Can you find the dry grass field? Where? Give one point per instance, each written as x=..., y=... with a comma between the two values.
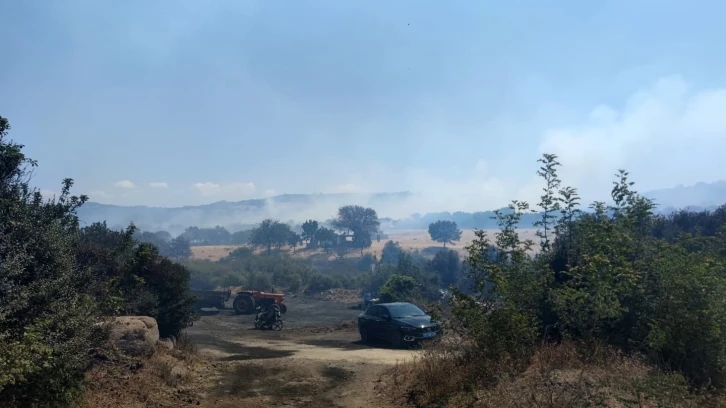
x=412, y=240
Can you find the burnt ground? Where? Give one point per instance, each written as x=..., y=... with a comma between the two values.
x=316, y=360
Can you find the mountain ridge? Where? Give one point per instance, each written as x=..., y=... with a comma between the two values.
x=238, y=215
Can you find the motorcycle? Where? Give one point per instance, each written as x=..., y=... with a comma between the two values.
x=268, y=318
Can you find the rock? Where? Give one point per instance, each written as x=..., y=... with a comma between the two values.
x=135, y=335
x=165, y=343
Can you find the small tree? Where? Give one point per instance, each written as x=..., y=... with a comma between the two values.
x=444, y=232
x=178, y=249
x=310, y=229
x=391, y=252
x=293, y=240
x=326, y=236
x=447, y=264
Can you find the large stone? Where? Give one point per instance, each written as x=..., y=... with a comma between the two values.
x=166, y=343
x=135, y=335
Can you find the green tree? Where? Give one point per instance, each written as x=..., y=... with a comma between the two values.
x=447, y=264
x=444, y=232
x=399, y=288
x=549, y=202
x=360, y=221
x=326, y=236
x=46, y=314
x=310, y=229
x=281, y=234
x=178, y=248
x=163, y=235
x=153, y=238
x=207, y=236
x=240, y=237
x=136, y=278
x=270, y=233
x=164, y=287
x=391, y=252
x=293, y=239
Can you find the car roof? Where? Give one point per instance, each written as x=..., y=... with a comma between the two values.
x=394, y=304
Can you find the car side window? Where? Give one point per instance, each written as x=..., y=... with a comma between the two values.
x=374, y=311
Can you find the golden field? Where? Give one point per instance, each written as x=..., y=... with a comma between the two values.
x=412, y=240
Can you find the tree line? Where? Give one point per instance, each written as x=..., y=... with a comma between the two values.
x=353, y=221
x=59, y=281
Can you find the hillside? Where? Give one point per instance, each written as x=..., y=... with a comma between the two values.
x=241, y=215
x=234, y=216
x=697, y=197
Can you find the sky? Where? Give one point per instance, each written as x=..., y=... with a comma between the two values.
x=186, y=102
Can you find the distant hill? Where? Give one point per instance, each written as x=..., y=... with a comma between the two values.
x=696, y=197
x=234, y=216
x=294, y=208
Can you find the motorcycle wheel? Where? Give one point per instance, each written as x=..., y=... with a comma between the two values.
x=277, y=326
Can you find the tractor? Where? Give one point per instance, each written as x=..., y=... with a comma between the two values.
x=246, y=302
x=212, y=298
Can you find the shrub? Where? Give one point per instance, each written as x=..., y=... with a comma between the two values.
x=603, y=279
x=320, y=283
x=46, y=317
x=399, y=288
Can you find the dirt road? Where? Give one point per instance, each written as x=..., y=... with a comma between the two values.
x=315, y=361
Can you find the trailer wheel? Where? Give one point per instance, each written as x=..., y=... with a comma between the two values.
x=244, y=304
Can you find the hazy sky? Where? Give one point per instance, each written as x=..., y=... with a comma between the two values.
x=190, y=101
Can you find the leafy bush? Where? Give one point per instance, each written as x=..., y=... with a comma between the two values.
x=57, y=281
x=168, y=282
x=365, y=262
x=613, y=277
x=46, y=316
x=138, y=280
x=447, y=265
x=319, y=283
x=399, y=288
x=391, y=252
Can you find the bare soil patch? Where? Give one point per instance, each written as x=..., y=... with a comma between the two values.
x=317, y=360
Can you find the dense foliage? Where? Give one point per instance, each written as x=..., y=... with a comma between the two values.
x=57, y=281
x=194, y=236
x=616, y=275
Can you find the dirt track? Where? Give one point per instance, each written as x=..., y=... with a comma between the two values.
x=315, y=361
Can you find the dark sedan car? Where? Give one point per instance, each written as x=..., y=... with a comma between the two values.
x=398, y=323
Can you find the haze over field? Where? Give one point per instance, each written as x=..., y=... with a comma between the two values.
x=396, y=209
x=174, y=103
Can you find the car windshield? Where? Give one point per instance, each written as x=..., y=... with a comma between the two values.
x=405, y=310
